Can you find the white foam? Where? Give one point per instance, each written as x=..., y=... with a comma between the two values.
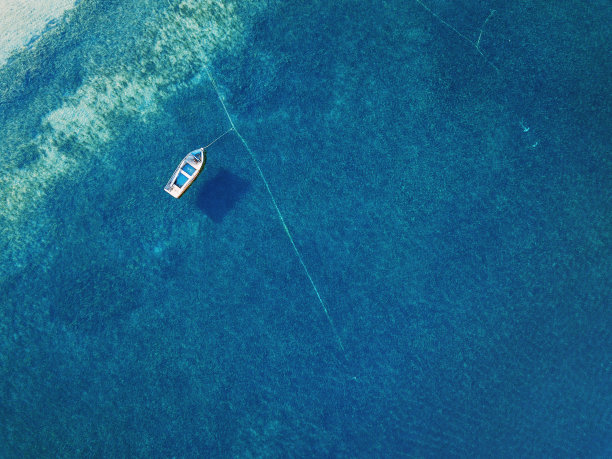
x=21, y=20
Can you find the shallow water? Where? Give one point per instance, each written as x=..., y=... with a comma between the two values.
x=443, y=171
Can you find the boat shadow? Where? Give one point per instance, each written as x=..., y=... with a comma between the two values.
x=220, y=194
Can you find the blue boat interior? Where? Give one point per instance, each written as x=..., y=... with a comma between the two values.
x=188, y=169
x=181, y=179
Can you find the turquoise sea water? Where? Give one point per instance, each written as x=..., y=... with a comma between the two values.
x=443, y=167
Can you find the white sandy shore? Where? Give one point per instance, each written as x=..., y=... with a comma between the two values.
x=21, y=20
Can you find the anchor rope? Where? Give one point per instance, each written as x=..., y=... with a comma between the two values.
x=278, y=211
x=222, y=135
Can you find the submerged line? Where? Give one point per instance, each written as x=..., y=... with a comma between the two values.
x=278, y=211
x=474, y=44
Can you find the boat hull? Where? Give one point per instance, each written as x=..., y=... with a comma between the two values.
x=186, y=173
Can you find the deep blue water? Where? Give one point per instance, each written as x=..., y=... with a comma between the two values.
x=448, y=191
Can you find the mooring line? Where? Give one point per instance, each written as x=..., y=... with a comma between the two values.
x=278, y=211
x=222, y=135
x=459, y=34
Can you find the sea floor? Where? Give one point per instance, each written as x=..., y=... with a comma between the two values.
x=403, y=249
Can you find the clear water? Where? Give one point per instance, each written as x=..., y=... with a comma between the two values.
x=444, y=172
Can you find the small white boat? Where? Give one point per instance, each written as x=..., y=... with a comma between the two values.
x=186, y=172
